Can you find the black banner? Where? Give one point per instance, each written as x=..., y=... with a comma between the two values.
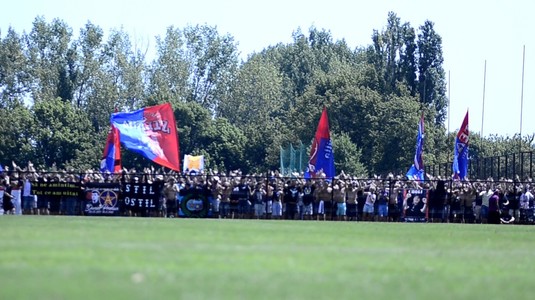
x=415, y=205
x=139, y=197
x=102, y=199
x=56, y=189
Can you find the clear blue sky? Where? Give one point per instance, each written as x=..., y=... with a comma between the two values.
x=472, y=32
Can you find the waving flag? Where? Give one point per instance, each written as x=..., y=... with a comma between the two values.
x=460, y=153
x=416, y=172
x=150, y=131
x=321, y=154
x=111, y=158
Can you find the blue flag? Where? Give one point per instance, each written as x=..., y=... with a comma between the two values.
x=416, y=172
x=1, y=168
x=460, y=153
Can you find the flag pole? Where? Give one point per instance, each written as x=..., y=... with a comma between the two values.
x=483, y=109
x=449, y=100
x=522, y=99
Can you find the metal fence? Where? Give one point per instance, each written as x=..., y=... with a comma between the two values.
x=517, y=165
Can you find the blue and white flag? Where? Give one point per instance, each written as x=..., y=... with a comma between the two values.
x=416, y=172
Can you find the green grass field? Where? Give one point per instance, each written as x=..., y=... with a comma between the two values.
x=148, y=258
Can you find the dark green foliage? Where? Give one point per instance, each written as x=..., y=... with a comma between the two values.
x=57, y=94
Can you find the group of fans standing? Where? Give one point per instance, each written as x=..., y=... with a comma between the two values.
x=238, y=196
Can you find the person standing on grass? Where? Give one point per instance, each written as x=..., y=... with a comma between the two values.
x=170, y=192
x=308, y=199
x=269, y=199
x=16, y=192
x=322, y=195
x=291, y=193
x=243, y=192
x=259, y=198
x=277, y=202
x=494, y=208
x=382, y=206
x=27, y=197
x=224, y=207
x=6, y=199
x=369, y=204
x=467, y=204
x=485, y=196
x=352, y=194
x=216, y=190
x=339, y=197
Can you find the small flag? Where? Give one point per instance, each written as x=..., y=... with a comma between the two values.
x=150, y=131
x=416, y=172
x=193, y=164
x=460, y=152
x=321, y=154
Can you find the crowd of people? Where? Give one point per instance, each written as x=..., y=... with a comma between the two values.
x=235, y=195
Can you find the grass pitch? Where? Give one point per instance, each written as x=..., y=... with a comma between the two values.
x=148, y=258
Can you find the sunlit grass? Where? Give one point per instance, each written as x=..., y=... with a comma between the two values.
x=149, y=258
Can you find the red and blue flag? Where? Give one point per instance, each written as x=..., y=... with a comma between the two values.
x=460, y=152
x=151, y=132
x=111, y=158
x=321, y=154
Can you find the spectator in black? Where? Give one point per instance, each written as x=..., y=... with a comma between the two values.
x=291, y=193
x=494, y=208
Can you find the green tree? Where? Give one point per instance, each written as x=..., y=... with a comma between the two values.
x=212, y=60
x=16, y=137
x=14, y=76
x=61, y=133
x=255, y=107
x=347, y=156
x=432, y=78
x=48, y=52
x=169, y=72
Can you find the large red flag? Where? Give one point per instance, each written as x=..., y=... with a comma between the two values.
x=151, y=131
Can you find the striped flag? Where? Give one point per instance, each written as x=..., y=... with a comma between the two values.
x=151, y=132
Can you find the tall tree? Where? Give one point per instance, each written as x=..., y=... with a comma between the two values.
x=60, y=132
x=255, y=107
x=432, y=78
x=212, y=59
x=169, y=72
x=48, y=52
x=14, y=76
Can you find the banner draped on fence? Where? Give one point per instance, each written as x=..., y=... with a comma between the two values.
x=321, y=154
x=151, y=132
x=460, y=152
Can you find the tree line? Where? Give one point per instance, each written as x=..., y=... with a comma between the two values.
x=58, y=89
